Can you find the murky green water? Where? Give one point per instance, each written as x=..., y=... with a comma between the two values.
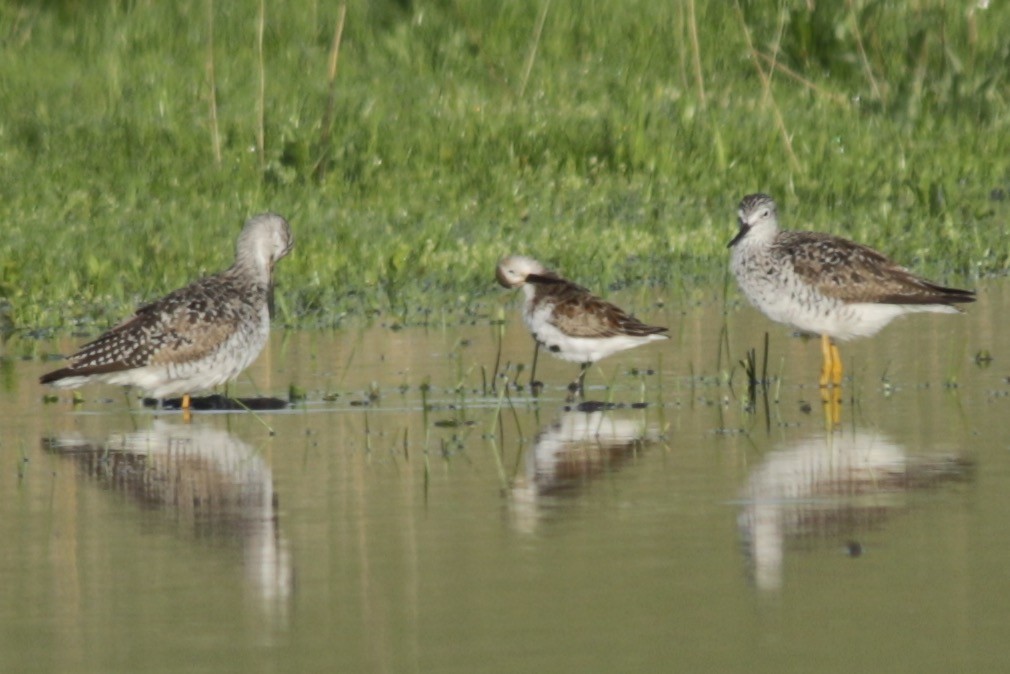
x=500, y=533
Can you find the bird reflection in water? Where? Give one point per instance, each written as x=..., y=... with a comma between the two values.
x=570, y=453
x=831, y=487
x=208, y=479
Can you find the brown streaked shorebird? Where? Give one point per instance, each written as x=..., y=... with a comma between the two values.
x=568, y=320
x=194, y=338
x=825, y=284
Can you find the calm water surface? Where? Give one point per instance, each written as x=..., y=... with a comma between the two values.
x=408, y=518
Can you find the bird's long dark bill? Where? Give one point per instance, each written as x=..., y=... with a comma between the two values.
x=739, y=235
x=545, y=280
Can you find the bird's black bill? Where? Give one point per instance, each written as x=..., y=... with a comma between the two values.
x=739, y=235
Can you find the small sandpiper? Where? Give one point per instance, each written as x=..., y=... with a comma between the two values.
x=194, y=338
x=824, y=284
x=571, y=322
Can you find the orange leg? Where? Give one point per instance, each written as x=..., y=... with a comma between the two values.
x=187, y=414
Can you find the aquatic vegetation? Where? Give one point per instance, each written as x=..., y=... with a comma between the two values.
x=412, y=144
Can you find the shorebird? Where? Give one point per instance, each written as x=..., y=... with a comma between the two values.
x=825, y=284
x=194, y=338
x=571, y=322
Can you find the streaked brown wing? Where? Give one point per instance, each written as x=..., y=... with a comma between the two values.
x=185, y=325
x=851, y=272
x=579, y=313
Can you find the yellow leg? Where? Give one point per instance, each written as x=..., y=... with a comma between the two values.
x=836, y=366
x=831, y=369
x=187, y=414
x=185, y=401
x=831, y=399
x=826, y=347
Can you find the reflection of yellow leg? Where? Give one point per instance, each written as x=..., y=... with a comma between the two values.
x=831, y=398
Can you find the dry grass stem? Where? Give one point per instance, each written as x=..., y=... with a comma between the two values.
x=696, y=49
x=792, y=74
x=331, y=100
x=215, y=133
x=261, y=107
x=531, y=57
x=766, y=83
x=862, y=54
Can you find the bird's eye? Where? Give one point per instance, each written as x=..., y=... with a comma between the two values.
x=764, y=213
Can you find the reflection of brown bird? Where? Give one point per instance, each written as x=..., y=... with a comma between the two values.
x=571, y=322
x=825, y=284
x=194, y=338
x=210, y=483
x=568, y=454
x=829, y=486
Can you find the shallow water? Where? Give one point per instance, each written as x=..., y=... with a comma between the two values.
x=407, y=517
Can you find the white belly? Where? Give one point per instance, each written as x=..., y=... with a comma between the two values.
x=578, y=349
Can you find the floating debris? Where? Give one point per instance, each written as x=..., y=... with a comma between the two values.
x=220, y=403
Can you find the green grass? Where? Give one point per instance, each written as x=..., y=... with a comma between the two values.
x=608, y=147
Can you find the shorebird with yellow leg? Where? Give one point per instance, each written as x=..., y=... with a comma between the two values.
x=194, y=338
x=569, y=321
x=825, y=284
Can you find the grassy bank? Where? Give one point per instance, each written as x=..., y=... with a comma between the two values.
x=611, y=138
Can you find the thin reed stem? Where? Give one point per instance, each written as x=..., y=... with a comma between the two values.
x=766, y=83
x=764, y=365
x=789, y=72
x=775, y=51
x=255, y=416
x=215, y=133
x=261, y=106
x=497, y=358
x=331, y=96
x=699, y=77
x=862, y=53
x=531, y=57
x=496, y=417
